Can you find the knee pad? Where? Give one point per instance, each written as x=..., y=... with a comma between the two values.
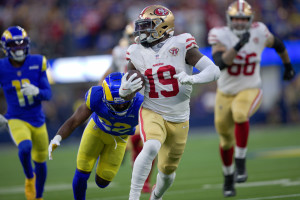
x=151, y=148
x=25, y=147
x=240, y=116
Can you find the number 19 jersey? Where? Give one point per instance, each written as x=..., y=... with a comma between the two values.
x=163, y=93
x=244, y=73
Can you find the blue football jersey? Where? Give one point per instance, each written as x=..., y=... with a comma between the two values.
x=19, y=106
x=106, y=120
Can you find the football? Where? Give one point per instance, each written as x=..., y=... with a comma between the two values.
x=139, y=75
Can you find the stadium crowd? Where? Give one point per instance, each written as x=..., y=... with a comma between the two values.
x=60, y=28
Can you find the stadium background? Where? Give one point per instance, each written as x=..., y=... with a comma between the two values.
x=91, y=28
x=78, y=30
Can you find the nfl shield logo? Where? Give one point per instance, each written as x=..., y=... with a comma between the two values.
x=174, y=51
x=19, y=73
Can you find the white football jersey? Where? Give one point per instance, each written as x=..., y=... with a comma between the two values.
x=244, y=73
x=163, y=93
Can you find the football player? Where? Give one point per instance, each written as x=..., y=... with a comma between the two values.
x=167, y=63
x=237, y=49
x=119, y=64
x=25, y=84
x=105, y=137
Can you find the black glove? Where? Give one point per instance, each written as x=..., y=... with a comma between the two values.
x=243, y=40
x=289, y=72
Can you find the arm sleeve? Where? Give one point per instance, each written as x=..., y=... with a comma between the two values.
x=208, y=71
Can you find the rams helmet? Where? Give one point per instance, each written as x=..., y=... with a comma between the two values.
x=154, y=22
x=15, y=43
x=111, y=97
x=239, y=9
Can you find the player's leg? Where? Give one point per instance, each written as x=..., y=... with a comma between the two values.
x=153, y=134
x=40, y=143
x=89, y=150
x=244, y=105
x=169, y=157
x=225, y=127
x=110, y=158
x=21, y=135
x=136, y=147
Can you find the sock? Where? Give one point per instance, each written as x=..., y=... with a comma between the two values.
x=227, y=158
x=148, y=178
x=136, y=146
x=41, y=175
x=80, y=185
x=142, y=167
x=163, y=182
x=241, y=136
x=25, y=157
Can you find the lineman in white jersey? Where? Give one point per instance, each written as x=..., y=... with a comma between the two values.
x=166, y=61
x=237, y=50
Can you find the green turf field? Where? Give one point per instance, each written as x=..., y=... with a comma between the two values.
x=273, y=168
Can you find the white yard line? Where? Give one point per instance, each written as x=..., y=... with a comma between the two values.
x=274, y=197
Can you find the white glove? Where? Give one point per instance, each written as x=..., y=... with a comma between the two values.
x=3, y=120
x=129, y=86
x=54, y=143
x=184, y=79
x=29, y=89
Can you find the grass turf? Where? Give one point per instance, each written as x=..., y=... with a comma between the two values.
x=273, y=166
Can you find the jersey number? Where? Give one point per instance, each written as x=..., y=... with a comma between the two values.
x=17, y=84
x=160, y=74
x=116, y=127
x=248, y=69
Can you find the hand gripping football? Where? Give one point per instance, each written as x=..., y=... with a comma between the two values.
x=139, y=75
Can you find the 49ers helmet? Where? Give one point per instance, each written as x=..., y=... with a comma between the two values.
x=239, y=9
x=156, y=20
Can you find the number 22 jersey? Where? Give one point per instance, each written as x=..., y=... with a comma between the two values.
x=163, y=93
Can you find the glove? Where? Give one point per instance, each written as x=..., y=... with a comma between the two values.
x=54, y=143
x=3, y=120
x=184, y=79
x=129, y=86
x=289, y=72
x=243, y=40
x=29, y=89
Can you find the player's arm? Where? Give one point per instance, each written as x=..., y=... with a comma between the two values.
x=78, y=118
x=208, y=70
x=278, y=45
x=224, y=57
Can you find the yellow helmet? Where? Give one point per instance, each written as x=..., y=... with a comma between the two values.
x=242, y=10
x=156, y=20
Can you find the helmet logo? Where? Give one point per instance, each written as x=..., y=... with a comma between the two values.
x=161, y=12
x=174, y=51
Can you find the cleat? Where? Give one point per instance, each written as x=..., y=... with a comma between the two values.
x=146, y=188
x=228, y=187
x=30, y=188
x=39, y=198
x=241, y=174
x=152, y=195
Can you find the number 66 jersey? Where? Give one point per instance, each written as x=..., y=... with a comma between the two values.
x=163, y=93
x=244, y=73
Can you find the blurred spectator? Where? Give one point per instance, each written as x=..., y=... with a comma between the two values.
x=77, y=28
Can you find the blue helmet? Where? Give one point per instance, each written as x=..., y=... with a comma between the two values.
x=111, y=97
x=15, y=43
